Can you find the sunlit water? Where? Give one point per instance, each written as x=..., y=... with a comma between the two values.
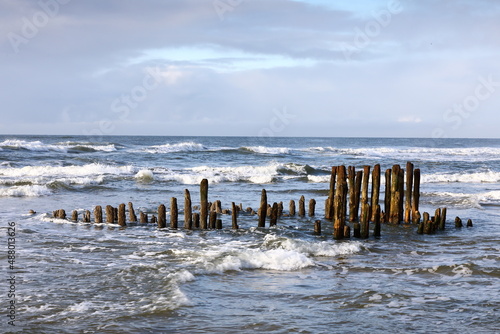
x=101, y=278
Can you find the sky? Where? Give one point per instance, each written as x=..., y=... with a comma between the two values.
x=357, y=68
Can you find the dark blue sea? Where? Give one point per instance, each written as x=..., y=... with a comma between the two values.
x=76, y=277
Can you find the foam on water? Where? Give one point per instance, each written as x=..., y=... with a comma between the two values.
x=466, y=177
x=267, y=150
x=25, y=191
x=57, y=147
x=178, y=147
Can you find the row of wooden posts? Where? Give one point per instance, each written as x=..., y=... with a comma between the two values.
x=348, y=189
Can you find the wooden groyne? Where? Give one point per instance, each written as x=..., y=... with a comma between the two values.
x=352, y=204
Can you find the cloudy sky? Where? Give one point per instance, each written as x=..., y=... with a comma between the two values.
x=388, y=68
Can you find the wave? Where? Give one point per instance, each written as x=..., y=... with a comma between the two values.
x=478, y=200
x=25, y=191
x=174, y=148
x=267, y=150
x=63, y=147
x=477, y=177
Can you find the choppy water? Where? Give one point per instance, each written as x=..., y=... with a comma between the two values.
x=100, y=278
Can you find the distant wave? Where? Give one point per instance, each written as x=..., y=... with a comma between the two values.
x=172, y=148
x=64, y=147
x=25, y=191
x=477, y=177
x=267, y=150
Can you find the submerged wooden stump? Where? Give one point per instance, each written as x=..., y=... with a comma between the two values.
x=174, y=213
x=188, y=211
x=162, y=216
x=143, y=217
x=86, y=216
x=234, y=216
x=110, y=214
x=98, y=214
x=121, y=215
x=317, y=227
x=74, y=215
x=131, y=212
x=204, y=204
x=263, y=209
x=312, y=206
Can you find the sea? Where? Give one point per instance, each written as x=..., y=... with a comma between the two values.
x=61, y=276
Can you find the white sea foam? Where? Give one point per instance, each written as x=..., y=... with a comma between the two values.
x=144, y=175
x=477, y=177
x=318, y=178
x=178, y=147
x=57, y=147
x=66, y=171
x=25, y=191
x=267, y=150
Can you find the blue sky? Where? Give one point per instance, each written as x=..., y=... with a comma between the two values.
x=396, y=68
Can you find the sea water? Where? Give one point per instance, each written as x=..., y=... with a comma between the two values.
x=101, y=278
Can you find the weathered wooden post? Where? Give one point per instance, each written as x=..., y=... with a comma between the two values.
x=427, y=223
x=312, y=206
x=218, y=223
x=469, y=223
x=131, y=213
x=86, y=216
x=458, y=222
x=280, y=209
x=442, y=226
x=143, y=217
x=74, y=215
x=365, y=221
x=196, y=220
x=203, y=204
x=331, y=194
x=394, y=217
x=339, y=204
x=416, y=190
x=292, y=208
x=162, y=216
x=274, y=215
x=409, y=192
x=358, y=180
x=234, y=216
x=317, y=227
x=387, y=195
x=351, y=184
x=302, y=206
x=437, y=218
x=154, y=220
x=121, y=215
x=212, y=219
x=188, y=211
x=364, y=194
x=401, y=193
x=376, y=220
x=375, y=190
x=263, y=209
x=416, y=217
x=98, y=214
x=110, y=214
x=347, y=231
x=356, y=227
x=174, y=213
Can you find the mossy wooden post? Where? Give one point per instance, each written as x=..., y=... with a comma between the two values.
x=110, y=214
x=292, y=208
x=351, y=185
x=376, y=220
x=317, y=227
x=387, y=195
x=154, y=220
x=98, y=214
x=234, y=216
x=401, y=194
x=121, y=215
x=263, y=209
x=375, y=190
x=174, y=213
x=442, y=226
x=416, y=190
x=312, y=207
x=274, y=214
x=358, y=180
x=86, y=216
x=212, y=219
x=409, y=193
x=203, y=204
x=196, y=220
x=162, y=216
x=437, y=218
x=302, y=206
x=365, y=221
x=143, y=217
x=329, y=213
x=74, y=215
x=339, y=204
x=364, y=195
x=131, y=213
x=395, y=195
x=280, y=209
x=416, y=217
x=188, y=211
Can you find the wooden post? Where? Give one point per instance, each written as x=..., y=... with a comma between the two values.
x=162, y=216
x=358, y=180
x=174, y=213
x=356, y=230
x=458, y=222
x=212, y=219
x=364, y=195
x=302, y=206
x=292, y=208
x=74, y=215
x=110, y=214
x=437, y=219
x=121, y=215
x=443, y=219
x=269, y=209
x=115, y=213
x=280, y=209
x=395, y=195
x=274, y=214
x=234, y=216
x=196, y=220
x=401, y=194
x=469, y=223
x=143, y=217
x=154, y=220
x=409, y=192
x=339, y=204
x=312, y=206
x=416, y=217
x=427, y=223
x=98, y=214
x=365, y=221
x=375, y=190
x=86, y=216
x=387, y=195
x=376, y=220
x=347, y=231
x=188, y=211
x=351, y=182
x=317, y=227
x=218, y=223
x=131, y=213
x=204, y=203
x=416, y=190
x=263, y=209
x=331, y=194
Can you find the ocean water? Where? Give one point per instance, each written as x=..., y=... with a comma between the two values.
x=102, y=278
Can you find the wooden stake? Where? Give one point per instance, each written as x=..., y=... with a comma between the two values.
x=347, y=231
x=263, y=209
x=376, y=220
x=174, y=213
x=274, y=215
x=204, y=203
x=74, y=215
x=401, y=194
x=292, y=208
x=409, y=192
x=234, y=216
x=469, y=223
x=375, y=190
x=188, y=211
x=86, y=216
x=196, y=220
x=358, y=180
x=317, y=227
x=110, y=214
x=356, y=230
x=416, y=190
x=365, y=221
x=143, y=217
x=162, y=216
x=443, y=219
x=302, y=206
x=387, y=195
x=364, y=195
x=212, y=219
x=312, y=206
x=339, y=204
x=351, y=184
x=458, y=222
x=218, y=223
x=131, y=213
x=329, y=214
x=98, y=214
x=121, y=215
x=395, y=196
